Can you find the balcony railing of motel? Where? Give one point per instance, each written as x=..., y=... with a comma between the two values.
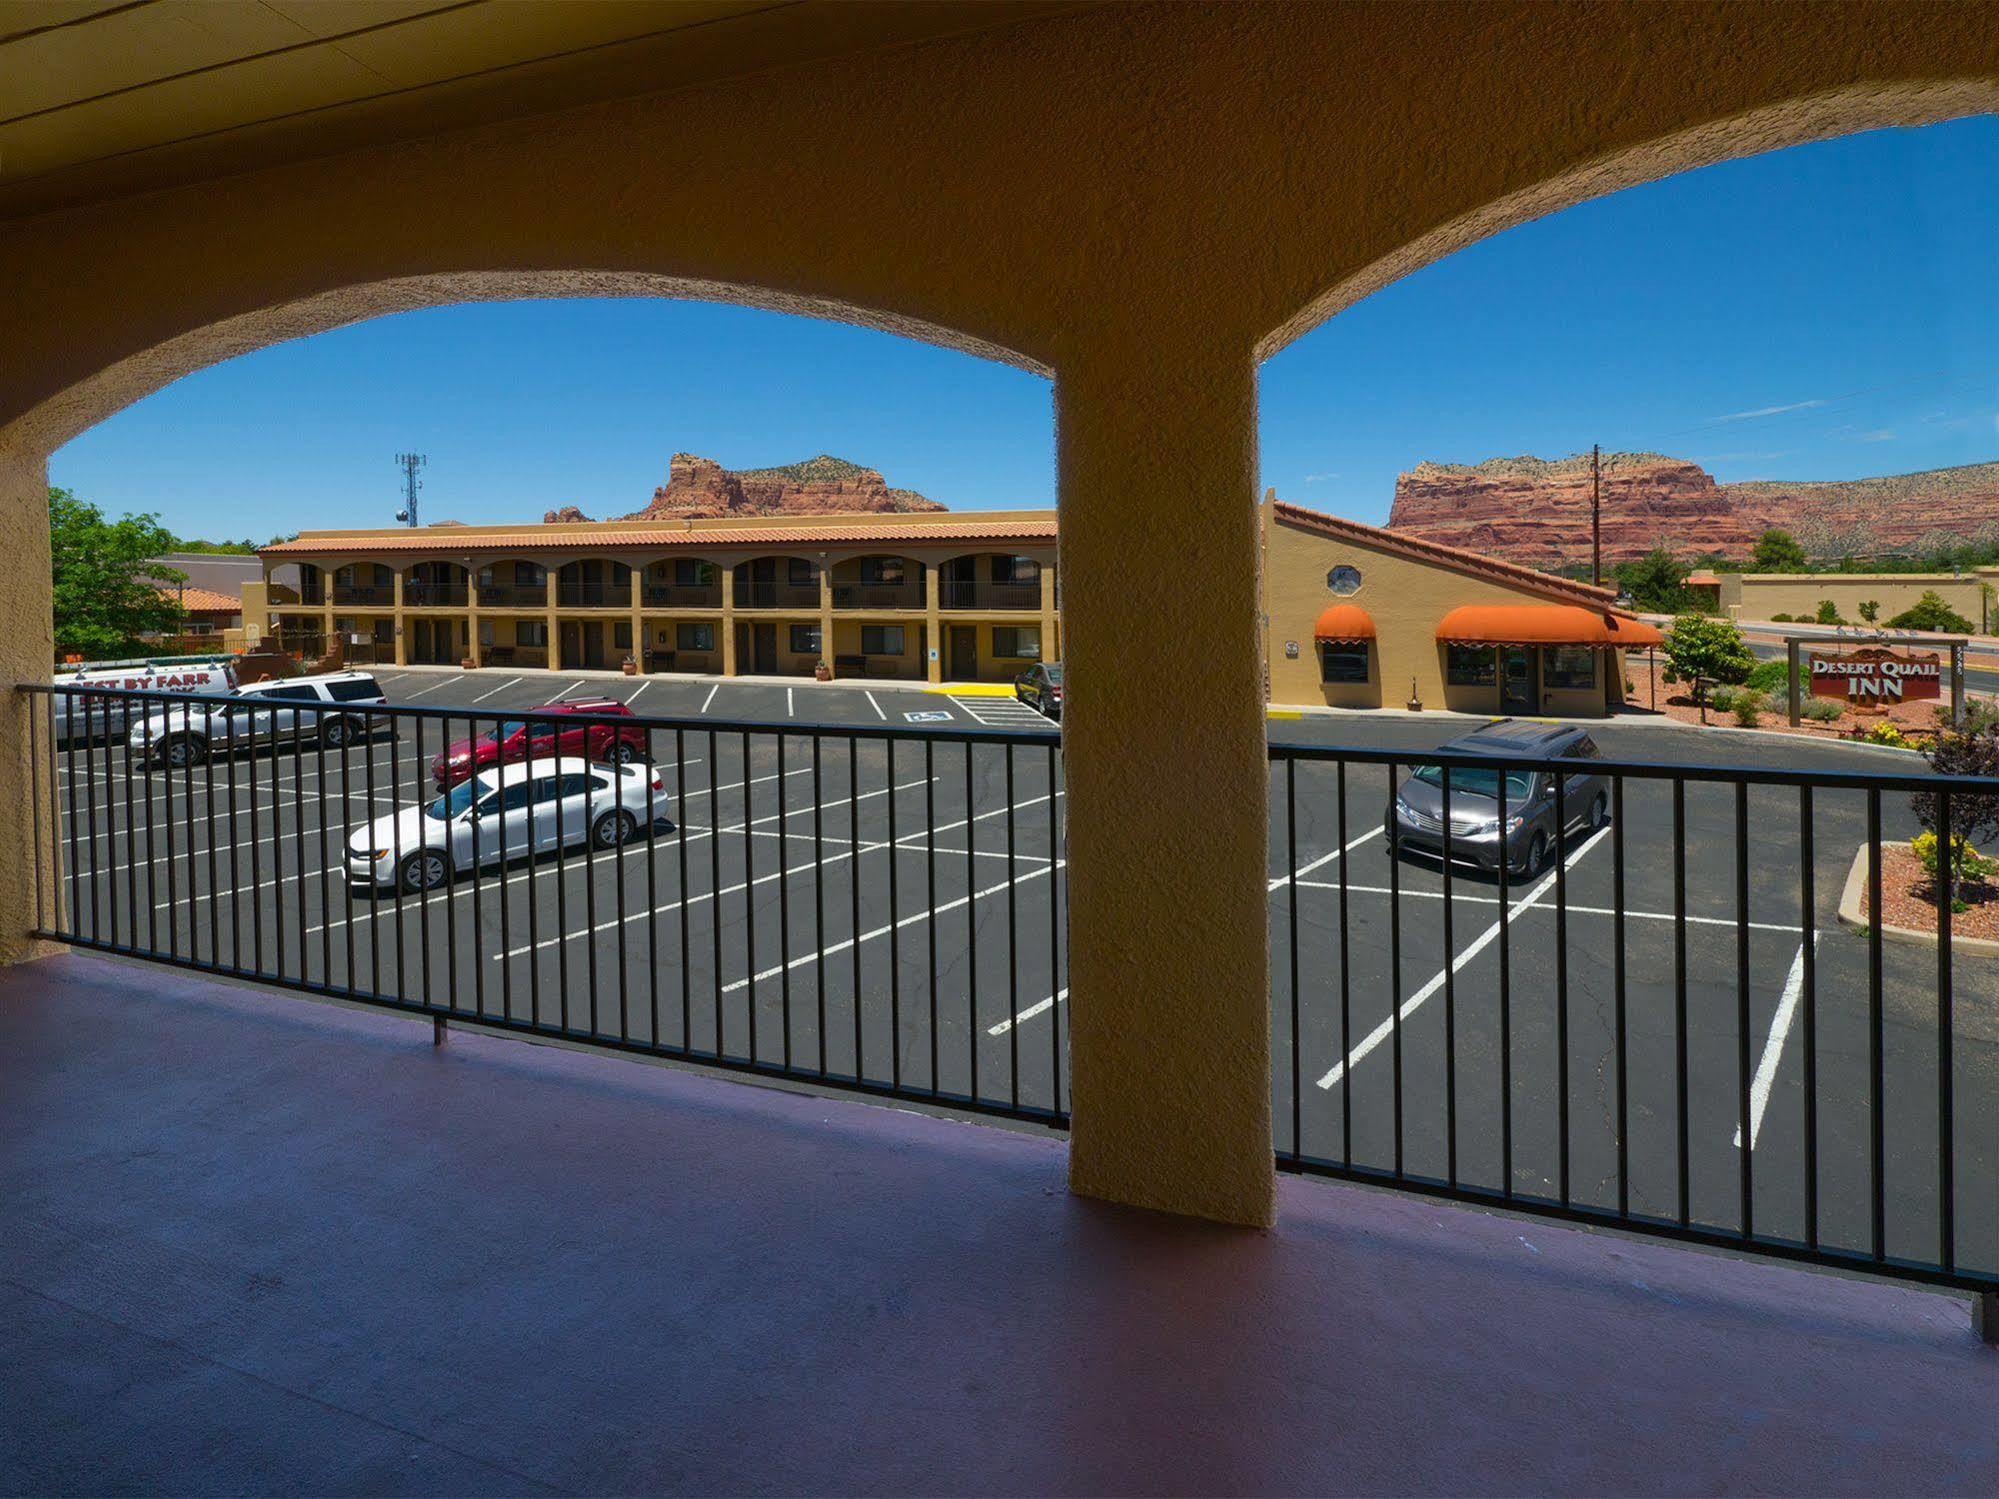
x=1660, y=1029
x=513, y=596
x=755, y=595
x=425, y=595
x=968, y=593
x=878, y=595
x=365, y=593
x=686, y=595
x=588, y=594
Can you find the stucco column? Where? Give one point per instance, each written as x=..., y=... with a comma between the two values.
x=27, y=653
x=826, y=611
x=1167, y=780
x=1051, y=649
x=933, y=627
x=402, y=624
x=728, y=641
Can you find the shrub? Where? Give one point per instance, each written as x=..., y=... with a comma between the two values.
x=1700, y=646
x=1819, y=709
x=1782, y=619
x=1722, y=698
x=1829, y=613
x=1748, y=707
x=1870, y=610
x=1971, y=864
x=1886, y=733
x=1974, y=819
x=1930, y=612
x=1769, y=676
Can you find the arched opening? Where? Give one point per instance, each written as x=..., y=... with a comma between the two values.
x=990, y=580
x=884, y=580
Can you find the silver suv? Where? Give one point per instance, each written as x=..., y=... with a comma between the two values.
x=262, y=713
x=1415, y=822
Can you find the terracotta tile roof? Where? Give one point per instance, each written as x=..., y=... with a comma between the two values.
x=1457, y=559
x=538, y=539
x=202, y=600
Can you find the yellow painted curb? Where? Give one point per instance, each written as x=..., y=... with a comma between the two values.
x=1282, y=713
x=974, y=689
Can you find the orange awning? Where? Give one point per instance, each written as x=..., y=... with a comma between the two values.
x=1542, y=624
x=1342, y=624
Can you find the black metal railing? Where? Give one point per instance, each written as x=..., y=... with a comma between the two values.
x=877, y=911
x=1663, y=998
x=1670, y=1006
x=878, y=595
x=587, y=594
x=685, y=595
x=750, y=594
x=363, y=593
x=972, y=593
x=425, y=595
x=513, y=596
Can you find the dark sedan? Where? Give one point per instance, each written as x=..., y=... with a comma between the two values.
x=1040, y=687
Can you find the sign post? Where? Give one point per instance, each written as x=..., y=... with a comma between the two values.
x=1791, y=656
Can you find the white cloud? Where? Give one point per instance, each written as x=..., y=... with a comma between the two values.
x=1743, y=416
x=1879, y=434
x=1319, y=478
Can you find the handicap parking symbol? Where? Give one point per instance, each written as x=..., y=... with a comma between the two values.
x=928, y=716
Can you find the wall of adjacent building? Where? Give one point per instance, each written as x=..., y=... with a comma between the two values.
x=1752, y=596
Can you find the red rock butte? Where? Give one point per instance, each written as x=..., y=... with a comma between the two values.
x=701, y=489
x=1537, y=510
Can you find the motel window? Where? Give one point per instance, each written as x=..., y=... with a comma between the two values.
x=529, y=575
x=694, y=638
x=881, y=640
x=1471, y=665
x=1017, y=643
x=1342, y=662
x=805, y=640
x=1016, y=570
x=884, y=570
x=1568, y=666
x=688, y=573
x=800, y=572
x=621, y=635
x=530, y=632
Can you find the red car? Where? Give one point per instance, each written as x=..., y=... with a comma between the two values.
x=516, y=741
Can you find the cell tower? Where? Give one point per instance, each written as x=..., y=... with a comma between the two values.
x=409, y=463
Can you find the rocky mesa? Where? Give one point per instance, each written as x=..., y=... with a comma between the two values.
x=1537, y=511
x=699, y=488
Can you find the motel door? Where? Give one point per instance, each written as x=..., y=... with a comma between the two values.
x=1516, y=680
x=766, y=650
x=964, y=653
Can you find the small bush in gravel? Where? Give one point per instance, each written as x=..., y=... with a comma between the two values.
x=1748, y=707
x=1721, y=699
x=1819, y=709
x=1769, y=676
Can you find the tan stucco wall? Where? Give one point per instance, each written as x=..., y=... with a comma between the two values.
x=1142, y=200
x=1760, y=595
x=1405, y=598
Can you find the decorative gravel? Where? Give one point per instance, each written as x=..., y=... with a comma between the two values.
x=1906, y=900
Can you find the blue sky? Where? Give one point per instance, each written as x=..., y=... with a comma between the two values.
x=1830, y=311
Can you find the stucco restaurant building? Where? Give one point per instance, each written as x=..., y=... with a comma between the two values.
x=1356, y=616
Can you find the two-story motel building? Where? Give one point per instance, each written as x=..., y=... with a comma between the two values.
x=1352, y=612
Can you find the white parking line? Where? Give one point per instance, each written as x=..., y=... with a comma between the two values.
x=1060, y=996
x=635, y=696
x=511, y=682
x=1773, y=1046
x=875, y=705
x=1324, y=859
x=998, y=713
x=410, y=697
x=1417, y=1000
x=789, y=710
x=710, y=697
x=1458, y=896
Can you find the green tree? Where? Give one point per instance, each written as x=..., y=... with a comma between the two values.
x=1829, y=613
x=1656, y=582
x=1870, y=610
x=1778, y=552
x=107, y=579
x=1701, y=649
x=1930, y=612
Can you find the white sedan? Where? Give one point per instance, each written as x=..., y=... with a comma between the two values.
x=503, y=813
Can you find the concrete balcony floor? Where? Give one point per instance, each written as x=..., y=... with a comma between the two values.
x=258, y=1244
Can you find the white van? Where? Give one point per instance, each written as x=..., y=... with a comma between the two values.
x=99, y=718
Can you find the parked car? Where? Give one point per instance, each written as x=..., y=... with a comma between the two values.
x=618, y=744
x=1040, y=687
x=83, y=718
x=1415, y=820
x=503, y=813
x=262, y=713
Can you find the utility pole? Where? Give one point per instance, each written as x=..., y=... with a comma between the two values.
x=1596, y=514
x=409, y=463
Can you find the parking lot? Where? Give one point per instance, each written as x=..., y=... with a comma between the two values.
x=809, y=900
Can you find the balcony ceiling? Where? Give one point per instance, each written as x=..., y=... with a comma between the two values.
x=99, y=98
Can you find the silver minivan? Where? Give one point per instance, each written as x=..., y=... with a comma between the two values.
x=1415, y=820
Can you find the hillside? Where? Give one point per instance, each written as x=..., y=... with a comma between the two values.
x=1537, y=510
